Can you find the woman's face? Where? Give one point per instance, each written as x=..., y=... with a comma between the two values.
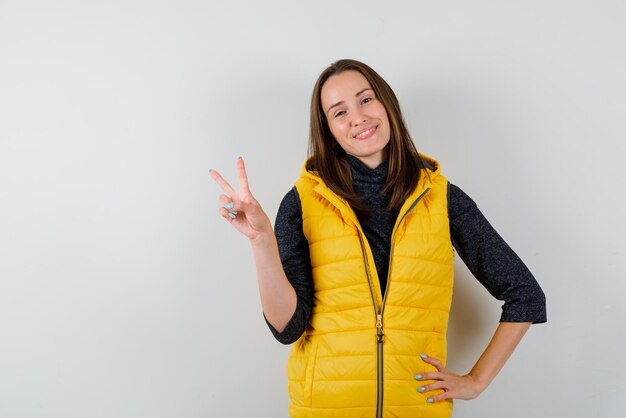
x=356, y=118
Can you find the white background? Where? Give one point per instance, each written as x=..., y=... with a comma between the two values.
x=124, y=294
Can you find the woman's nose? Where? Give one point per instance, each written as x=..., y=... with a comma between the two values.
x=357, y=118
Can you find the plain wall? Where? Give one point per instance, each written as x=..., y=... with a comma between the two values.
x=124, y=294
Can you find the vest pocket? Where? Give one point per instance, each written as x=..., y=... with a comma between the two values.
x=310, y=373
x=301, y=370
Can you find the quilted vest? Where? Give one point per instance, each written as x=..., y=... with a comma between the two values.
x=360, y=351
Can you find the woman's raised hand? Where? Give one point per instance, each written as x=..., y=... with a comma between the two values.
x=239, y=207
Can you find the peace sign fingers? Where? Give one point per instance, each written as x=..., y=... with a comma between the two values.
x=239, y=207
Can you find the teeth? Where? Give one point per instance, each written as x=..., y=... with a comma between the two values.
x=362, y=134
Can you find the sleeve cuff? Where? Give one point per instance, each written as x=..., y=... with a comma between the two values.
x=292, y=331
x=528, y=313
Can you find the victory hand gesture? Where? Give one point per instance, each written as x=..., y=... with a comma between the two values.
x=239, y=207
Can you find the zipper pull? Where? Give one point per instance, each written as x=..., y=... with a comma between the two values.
x=379, y=328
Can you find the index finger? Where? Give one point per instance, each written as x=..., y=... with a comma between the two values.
x=222, y=183
x=241, y=172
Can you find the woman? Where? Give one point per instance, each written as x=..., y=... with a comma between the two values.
x=359, y=269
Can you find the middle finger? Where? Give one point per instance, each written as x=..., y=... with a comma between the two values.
x=429, y=376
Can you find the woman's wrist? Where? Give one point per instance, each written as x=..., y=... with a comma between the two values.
x=263, y=238
x=480, y=382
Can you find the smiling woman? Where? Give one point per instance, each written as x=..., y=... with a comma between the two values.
x=358, y=272
x=357, y=120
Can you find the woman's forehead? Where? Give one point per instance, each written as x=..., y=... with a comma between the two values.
x=343, y=86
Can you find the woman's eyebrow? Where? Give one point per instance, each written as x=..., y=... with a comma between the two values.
x=342, y=102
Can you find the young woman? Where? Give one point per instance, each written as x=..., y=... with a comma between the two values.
x=359, y=270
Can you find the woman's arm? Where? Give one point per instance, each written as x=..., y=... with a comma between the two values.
x=500, y=348
x=244, y=212
x=469, y=386
x=278, y=296
x=493, y=262
x=293, y=248
x=506, y=277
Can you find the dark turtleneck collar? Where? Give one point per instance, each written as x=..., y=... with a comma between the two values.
x=363, y=174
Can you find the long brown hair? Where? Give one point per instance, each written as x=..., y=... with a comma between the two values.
x=327, y=158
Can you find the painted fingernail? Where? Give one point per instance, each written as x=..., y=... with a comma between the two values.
x=429, y=400
x=422, y=389
x=423, y=355
x=234, y=212
x=210, y=169
x=232, y=215
x=239, y=158
x=418, y=376
x=229, y=206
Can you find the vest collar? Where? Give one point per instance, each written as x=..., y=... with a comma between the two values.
x=424, y=182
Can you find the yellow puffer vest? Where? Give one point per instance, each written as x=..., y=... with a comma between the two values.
x=360, y=351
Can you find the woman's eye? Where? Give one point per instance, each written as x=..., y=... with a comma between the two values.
x=340, y=113
x=366, y=100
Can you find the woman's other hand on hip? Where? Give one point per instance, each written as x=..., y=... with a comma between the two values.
x=454, y=386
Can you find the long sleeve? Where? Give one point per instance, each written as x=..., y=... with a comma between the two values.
x=493, y=262
x=293, y=248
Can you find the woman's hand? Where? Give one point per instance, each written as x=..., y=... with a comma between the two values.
x=454, y=386
x=239, y=207
x=469, y=386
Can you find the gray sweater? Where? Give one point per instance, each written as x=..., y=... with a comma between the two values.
x=485, y=253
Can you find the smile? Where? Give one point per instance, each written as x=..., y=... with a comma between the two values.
x=366, y=134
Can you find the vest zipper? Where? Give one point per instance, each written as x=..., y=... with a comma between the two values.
x=379, y=313
x=415, y=202
x=379, y=333
x=379, y=365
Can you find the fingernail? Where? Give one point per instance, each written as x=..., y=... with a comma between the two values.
x=234, y=212
x=232, y=215
x=429, y=400
x=229, y=206
x=210, y=169
x=423, y=355
x=418, y=376
x=422, y=389
x=239, y=158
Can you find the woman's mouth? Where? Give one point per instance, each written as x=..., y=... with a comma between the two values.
x=367, y=133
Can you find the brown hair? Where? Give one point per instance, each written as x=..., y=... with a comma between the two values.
x=328, y=158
